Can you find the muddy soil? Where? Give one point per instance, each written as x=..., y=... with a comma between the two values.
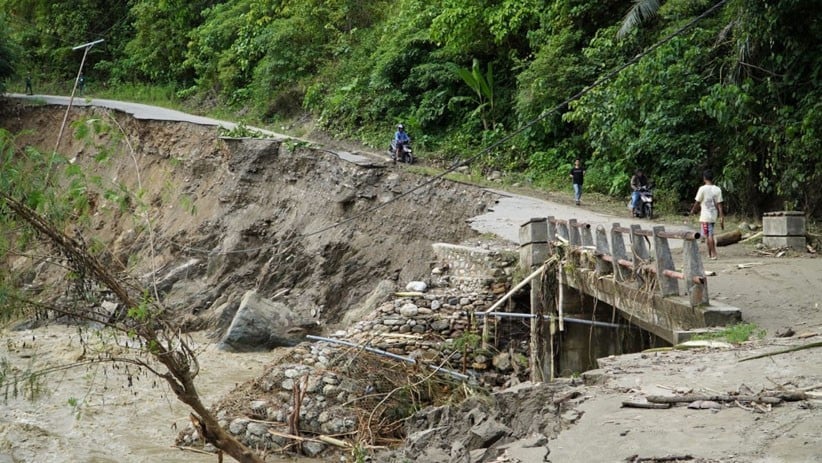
x=244, y=214
x=105, y=413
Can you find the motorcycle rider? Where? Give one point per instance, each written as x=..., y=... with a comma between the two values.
x=638, y=181
x=400, y=139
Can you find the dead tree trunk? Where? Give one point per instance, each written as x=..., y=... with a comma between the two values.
x=731, y=237
x=159, y=336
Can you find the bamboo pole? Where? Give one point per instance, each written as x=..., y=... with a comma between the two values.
x=504, y=298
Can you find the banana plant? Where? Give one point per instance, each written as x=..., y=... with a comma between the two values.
x=483, y=87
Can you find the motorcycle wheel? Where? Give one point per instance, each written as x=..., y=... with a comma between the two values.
x=647, y=211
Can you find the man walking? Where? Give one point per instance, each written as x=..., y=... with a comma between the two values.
x=29, y=90
x=709, y=200
x=577, y=175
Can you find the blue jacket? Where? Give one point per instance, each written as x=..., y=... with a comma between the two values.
x=401, y=136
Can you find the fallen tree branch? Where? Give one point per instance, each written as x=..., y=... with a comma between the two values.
x=647, y=405
x=811, y=388
x=771, y=397
x=752, y=237
x=191, y=449
x=669, y=458
x=335, y=442
x=784, y=351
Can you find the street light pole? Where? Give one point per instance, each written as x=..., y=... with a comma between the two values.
x=85, y=47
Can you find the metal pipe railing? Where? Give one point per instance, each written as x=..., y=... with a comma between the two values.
x=679, y=235
x=548, y=317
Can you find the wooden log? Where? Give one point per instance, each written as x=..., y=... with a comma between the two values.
x=648, y=405
x=333, y=441
x=731, y=237
x=754, y=237
x=770, y=397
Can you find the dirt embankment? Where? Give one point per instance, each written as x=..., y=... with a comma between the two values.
x=203, y=220
x=217, y=217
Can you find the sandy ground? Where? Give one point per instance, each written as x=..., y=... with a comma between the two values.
x=773, y=293
x=608, y=432
x=779, y=295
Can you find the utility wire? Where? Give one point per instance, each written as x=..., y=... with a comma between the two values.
x=487, y=149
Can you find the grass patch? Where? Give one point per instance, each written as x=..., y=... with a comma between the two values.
x=164, y=96
x=734, y=334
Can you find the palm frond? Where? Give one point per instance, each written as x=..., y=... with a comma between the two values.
x=642, y=11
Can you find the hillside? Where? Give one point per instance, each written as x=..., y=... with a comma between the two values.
x=229, y=215
x=672, y=87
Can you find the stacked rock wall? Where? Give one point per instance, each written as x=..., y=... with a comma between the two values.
x=437, y=326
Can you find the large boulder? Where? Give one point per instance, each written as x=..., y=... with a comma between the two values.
x=384, y=290
x=261, y=324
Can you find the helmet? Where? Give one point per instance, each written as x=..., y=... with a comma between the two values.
x=400, y=127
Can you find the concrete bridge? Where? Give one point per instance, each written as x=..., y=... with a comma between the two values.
x=610, y=290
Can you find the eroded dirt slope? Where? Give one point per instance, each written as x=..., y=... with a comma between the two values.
x=210, y=218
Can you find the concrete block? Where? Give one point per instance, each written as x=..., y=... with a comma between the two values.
x=783, y=224
x=793, y=242
x=719, y=314
x=534, y=231
x=594, y=377
x=533, y=255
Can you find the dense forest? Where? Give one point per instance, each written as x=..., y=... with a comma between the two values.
x=522, y=86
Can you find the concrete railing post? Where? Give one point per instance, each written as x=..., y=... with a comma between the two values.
x=573, y=233
x=534, y=237
x=603, y=266
x=552, y=229
x=695, y=282
x=639, y=250
x=533, y=243
x=668, y=286
x=587, y=237
x=562, y=230
x=618, y=252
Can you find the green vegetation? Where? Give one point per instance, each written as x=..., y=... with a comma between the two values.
x=737, y=91
x=46, y=203
x=15, y=383
x=467, y=341
x=242, y=131
x=734, y=334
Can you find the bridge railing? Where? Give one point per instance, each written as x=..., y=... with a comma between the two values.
x=633, y=263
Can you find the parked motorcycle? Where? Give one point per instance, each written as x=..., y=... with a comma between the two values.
x=406, y=153
x=645, y=205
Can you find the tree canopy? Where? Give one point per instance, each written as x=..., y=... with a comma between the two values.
x=736, y=91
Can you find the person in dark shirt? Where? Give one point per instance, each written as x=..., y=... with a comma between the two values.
x=638, y=181
x=29, y=90
x=577, y=175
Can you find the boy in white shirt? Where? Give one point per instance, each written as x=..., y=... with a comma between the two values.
x=709, y=200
